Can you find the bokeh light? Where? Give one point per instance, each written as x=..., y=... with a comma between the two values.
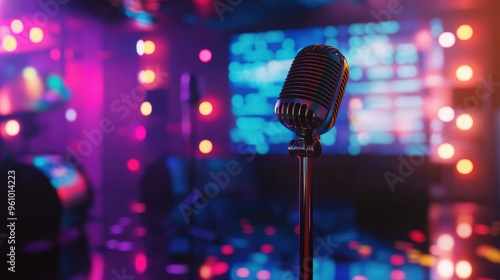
x=463, y=269
x=481, y=229
x=16, y=26
x=465, y=166
x=146, y=108
x=140, y=132
x=365, y=250
x=205, y=146
x=55, y=54
x=12, y=127
x=220, y=268
x=446, y=151
x=29, y=73
x=464, y=32
x=355, y=104
x=446, y=114
x=227, y=249
x=464, y=73
x=71, y=115
x=242, y=272
x=205, y=108
x=205, y=55
x=205, y=272
x=141, y=263
x=266, y=248
x=445, y=242
x=146, y=76
x=9, y=43
x=263, y=275
x=36, y=34
x=464, y=230
x=417, y=236
x=397, y=260
x=133, y=164
x=139, y=47
x=137, y=207
x=445, y=269
x=464, y=122
x=447, y=39
x=270, y=230
x=397, y=275
x=149, y=47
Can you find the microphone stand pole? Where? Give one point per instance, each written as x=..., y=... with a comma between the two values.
x=306, y=148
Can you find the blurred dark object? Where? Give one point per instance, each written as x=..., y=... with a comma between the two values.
x=52, y=203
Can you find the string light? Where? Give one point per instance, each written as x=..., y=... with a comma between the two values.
x=205, y=146
x=464, y=73
x=36, y=35
x=206, y=108
x=9, y=43
x=146, y=108
x=446, y=151
x=464, y=122
x=465, y=166
x=465, y=32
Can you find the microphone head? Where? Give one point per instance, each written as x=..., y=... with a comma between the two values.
x=312, y=93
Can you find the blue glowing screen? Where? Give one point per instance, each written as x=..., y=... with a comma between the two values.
x=392, y=67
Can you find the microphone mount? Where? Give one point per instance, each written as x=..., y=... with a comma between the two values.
x=306, y=146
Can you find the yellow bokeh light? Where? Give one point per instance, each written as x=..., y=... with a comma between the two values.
x=206, y=108
x=16, y=26
x=9, y=43
x=146, y=108
x=147, y=76
x=464, y=122
x=36, y=35
x=29, y=73
x=464, y=73
x=149, y=47
x=465, y=166
x=446, y=151
x=464, y=230
x=427, y=260
x=464, y=32
x=205, y=146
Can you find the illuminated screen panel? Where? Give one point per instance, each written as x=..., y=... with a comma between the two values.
x=392, y=65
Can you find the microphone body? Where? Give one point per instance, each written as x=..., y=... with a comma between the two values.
x=312, y=93
x=308, y=105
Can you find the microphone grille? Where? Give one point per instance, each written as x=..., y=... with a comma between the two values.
x=313, y=76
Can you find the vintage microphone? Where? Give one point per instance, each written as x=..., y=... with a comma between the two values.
x=308, y=105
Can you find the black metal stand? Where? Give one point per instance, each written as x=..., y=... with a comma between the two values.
x=306, y=148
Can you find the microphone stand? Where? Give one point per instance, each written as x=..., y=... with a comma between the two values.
x=306, y=148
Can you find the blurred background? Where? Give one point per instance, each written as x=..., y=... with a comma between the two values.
x=145, y=146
